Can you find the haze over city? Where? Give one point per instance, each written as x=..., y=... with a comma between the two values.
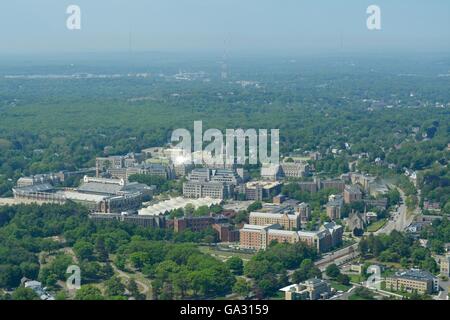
x=269, y=26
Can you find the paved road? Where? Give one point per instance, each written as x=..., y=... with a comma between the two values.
x=400, y=219
x=443, y=295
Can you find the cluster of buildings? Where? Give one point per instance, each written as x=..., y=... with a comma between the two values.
x=51, y=178
x=110, y=195
x=97, y=194
x=212, y=183
x=283, y=222
x=122, y=167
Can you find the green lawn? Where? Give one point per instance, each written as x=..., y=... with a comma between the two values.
x=224, y=255
x=357, y=278
x=339, y=286
x=374, y=227
x=357, y=297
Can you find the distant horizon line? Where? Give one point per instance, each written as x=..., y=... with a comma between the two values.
x=213, y=53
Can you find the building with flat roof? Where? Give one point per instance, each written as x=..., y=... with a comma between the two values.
x=226, y=232
x=258, y=237
x=49, y=178
x=195, y=189
x=102, y=164
x=274, y=172
x=363, y=180
x=294, y=169
x=194, y=224
x=312, y=289
x=260, y=190
x=270, y=172
x=150, y=169
x=213, y=183
x=445, y=266
x=352, y=194
x=414, y=280
x=97, y=194
x=140, y=220
x=289, y=221
x=334, y=207
x=304, y=211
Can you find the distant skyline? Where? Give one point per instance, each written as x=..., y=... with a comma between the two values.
x=234, y=26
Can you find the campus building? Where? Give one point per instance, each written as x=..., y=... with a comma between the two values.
x=260, y=190
x=224, y=230
x=151, y=169
x=285, y=170
x=212, y=183
x=304, y=210
x=287, y=220
x=215, y=190
x=445, y=266
x=97, y=194
x=334, y=207
x=312, y=289
x=413, y=280
x=102, y=164
x=143, y=221
x=352, y=194
x=258, y=237
x=49, y=178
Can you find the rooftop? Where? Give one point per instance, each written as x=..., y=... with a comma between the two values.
x=177, y=203
x=415, y=274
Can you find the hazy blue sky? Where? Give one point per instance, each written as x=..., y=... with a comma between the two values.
x=283, y=26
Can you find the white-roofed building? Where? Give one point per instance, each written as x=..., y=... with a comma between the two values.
x=167, y=206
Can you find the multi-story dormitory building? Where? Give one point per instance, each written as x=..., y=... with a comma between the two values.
x=334, y=206
x=282, y=223
x=225, y=231
x=260, y=190
x=290, y=215
x=212, y=183
x=259, y=237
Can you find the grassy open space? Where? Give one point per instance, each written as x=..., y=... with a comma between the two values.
x=224, y=255
x=339, y=286
x=374, y=227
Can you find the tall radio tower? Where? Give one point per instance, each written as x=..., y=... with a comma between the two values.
x=224, y=73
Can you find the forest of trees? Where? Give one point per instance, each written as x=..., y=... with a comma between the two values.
x=34, y=241
x=51, y=125
x=400, y=248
